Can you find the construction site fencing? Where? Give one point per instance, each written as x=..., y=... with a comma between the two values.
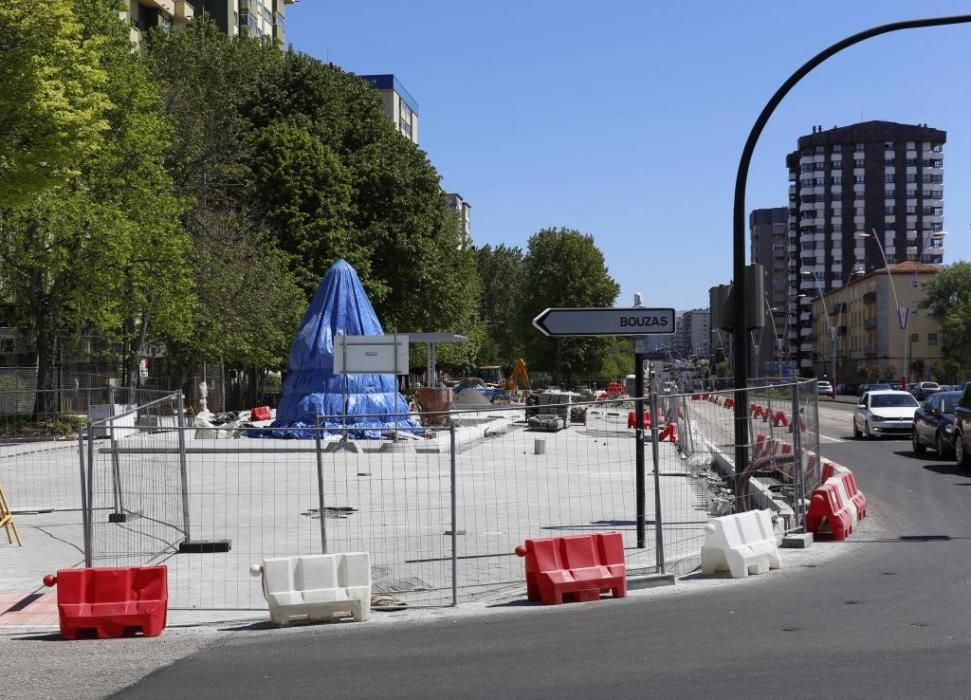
x=783, y=462
x=440, y=510
x=39, y=440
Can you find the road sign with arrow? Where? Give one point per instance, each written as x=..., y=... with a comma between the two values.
x=635, y=320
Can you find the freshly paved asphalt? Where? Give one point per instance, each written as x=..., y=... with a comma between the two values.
x=892, y=619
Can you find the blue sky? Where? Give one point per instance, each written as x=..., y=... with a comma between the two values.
x=626, y=119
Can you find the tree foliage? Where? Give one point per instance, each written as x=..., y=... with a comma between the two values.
x=104, y=252
x=564, y=268
x=948, y=297
x=502, y=273
x=53, y=104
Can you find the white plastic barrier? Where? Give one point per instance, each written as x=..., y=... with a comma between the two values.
x=317, y=587
x=845, y=496
x=742, y=544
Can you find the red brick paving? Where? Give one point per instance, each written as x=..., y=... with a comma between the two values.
x=29, y=609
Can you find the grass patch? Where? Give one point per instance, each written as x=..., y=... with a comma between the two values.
x=65, y=425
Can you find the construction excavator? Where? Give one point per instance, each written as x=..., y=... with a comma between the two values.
x=516, y=385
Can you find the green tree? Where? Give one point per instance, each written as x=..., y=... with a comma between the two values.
x=501, y=273
x=948, y=297
x=564, y=268
x=103, y=253
x=53, y=104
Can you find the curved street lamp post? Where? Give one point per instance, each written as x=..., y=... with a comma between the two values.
x=742, y=344
x=903, y=312
x=833, y=330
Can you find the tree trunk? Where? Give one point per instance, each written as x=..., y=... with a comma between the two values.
x=45, y=405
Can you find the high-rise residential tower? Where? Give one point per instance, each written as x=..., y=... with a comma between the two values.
x=768, y=229
x=856, y=194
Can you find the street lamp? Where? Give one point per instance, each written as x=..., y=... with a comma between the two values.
x=833, y=330
x=903, y=312
x=738, y=210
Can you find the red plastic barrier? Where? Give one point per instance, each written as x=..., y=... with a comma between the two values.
x=832, y=469
x=852, y=490
x=729, y=403
x=828, y=509
x=111, y=602
x=697, y=397
x=669, y=434
x=632, y=420
x=260, y=413
x=761, y=445
x=579, y=566
x=756, y=410
x=780, y=419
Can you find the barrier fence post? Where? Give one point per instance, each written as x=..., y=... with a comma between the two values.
x=819, y=458
x=658, y=529
x=320, y=486
x=799, y=475
x=452, y=485
x=183, y=472
x=85, y=513
x=90, y=490
x=639, y=448
x=115, y=467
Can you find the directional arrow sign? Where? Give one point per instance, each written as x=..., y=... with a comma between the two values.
x=605, y=321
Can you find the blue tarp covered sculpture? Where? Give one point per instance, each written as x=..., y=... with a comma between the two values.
x=373, y=404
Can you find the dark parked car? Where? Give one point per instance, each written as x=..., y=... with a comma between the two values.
x=921, y=390
x=934, y=423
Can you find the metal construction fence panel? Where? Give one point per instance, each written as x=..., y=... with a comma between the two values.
x=442, y=512
x=39, y=449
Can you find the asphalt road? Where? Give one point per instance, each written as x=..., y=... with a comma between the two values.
x=891, y=620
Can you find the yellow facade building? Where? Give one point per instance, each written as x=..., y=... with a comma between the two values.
x=878, y=328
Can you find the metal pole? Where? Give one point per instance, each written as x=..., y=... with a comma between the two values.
x=832, y=332
x=641, y=486
x=115, y=466
x=798, y=475
x=183, y=471
x=85, y=512
x=320, y=486
x=452, y=485
x=658, y=530
x=88, y=554
x=739, y=213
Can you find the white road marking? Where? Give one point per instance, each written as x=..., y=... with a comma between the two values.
x=827, y=438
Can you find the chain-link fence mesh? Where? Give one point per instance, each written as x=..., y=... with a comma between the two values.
x=441, y=512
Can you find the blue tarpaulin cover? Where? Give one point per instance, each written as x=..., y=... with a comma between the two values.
x=374, y=405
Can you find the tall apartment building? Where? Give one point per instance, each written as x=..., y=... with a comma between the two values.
x=457, y=204
x=252, y=18
x=399, y=105
x=768, y=229
x=693, y=334
x=857, y=193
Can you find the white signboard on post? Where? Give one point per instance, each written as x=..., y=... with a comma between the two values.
x=371, y=354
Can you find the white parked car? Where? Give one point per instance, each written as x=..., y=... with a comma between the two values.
x=824, y=388
x=884, y=412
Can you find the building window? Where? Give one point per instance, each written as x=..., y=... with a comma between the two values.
x=937, y=148
x=915, y=337
x=807, y=167
x=935, y=227
x=911, y=209
x=911, y=161
x=889, y=211
x=932, y=338
x=836, y=180
x=837, y=148
x=859, y=163
x=836, y=164
x=890, y=179
x=912, y=178
x=888, y=161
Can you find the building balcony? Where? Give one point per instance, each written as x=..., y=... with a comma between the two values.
x=870, y=298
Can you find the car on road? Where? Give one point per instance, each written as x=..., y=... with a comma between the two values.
x=824, y=389
x=884, y=412
x=921, y=390
x=934, y=423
